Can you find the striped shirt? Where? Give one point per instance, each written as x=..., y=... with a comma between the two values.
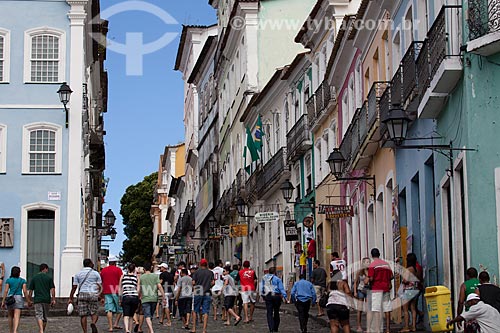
x=129, y=285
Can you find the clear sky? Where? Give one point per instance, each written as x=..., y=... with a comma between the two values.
x=145, y=111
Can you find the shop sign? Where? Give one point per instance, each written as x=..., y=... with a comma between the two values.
x=267, y=217
x=238, y=230
x=336, y=211
x=291, y=232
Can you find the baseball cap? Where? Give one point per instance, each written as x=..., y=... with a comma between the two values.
x=112, y=258
x=163, y=265
x=193, y=267
x=203, y=262
x=228, y=263
x=472, y=296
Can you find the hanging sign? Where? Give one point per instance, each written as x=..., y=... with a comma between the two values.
x=267, y=217
x=291, y=232
x=238, y=230
x=336, y=211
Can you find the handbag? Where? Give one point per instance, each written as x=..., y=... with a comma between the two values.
x=323, y=300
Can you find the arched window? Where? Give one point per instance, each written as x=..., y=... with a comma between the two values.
x=42, y=149
x=287, y=116
x=44, y=55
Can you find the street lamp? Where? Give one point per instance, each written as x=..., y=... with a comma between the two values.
x=112, y=233
x=287, y=190
x=109, y=218
x=64, y=95
x=211, y=222
x=109, y=222
x=397, y=125
x=241, y=206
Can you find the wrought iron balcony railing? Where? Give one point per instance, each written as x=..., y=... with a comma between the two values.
x=384, y=108
x=374, y=97
x=409, y=66
x=318, y=104
x=272, y=171
x=483, y=17
x=251, y=185
x=298, y=139
x=346, y=146
x=423, y=74
x=442, y=38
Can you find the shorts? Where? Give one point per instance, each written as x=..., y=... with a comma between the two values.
x=409, y=294
x=149, y=309
x=202, y=304
x=217, y=298
x=130, y=305
x=112, y=303
x=166, y=300
x=337, y=312
x=88, y=304
x=319, y=291
x=229, y=302
x=19, y=303
x=362, y=294
x=41, y=311
x=248, y=296
x=184, y=305
x=381, y=301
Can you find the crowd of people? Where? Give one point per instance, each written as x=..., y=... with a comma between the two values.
x=135, y=295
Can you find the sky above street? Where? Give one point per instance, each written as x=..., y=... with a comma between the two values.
x=145, y=103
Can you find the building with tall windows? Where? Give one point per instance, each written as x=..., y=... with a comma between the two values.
x=51, y=157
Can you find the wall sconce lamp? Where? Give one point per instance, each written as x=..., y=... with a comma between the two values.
x=64, y=95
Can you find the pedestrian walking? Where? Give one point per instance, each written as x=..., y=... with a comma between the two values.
x=110, y=277
x=203, y=280
x=217, y=296
x=235, y=274
x=318, y=279
x=486, y=316
x=230, y=292
x=184, y=297
x=488, y=292
x=338, y=305
x=180, y=266
x=45, y=295
x=139, y=314
x=271, y=287
x=15, y=286
x=380, y=276
x=89, y=283
x=150, y=286
x=311, y=255
x=466, y=288
x=248, y=281
x=361, y=283
x=129, y=296
x=167, y=281
x=411, y=289
x=338, y=264
x=304, y=294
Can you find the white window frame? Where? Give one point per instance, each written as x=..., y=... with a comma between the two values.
x=28, y=35
x=3, y=148
x=26, y=143
x=6, y=55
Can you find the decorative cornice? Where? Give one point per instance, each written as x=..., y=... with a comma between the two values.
x=77, y=2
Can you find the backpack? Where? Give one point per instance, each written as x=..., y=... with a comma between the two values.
x=268, y=285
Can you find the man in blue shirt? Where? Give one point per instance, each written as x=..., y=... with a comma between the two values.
x=271, y=288
x=304, y=294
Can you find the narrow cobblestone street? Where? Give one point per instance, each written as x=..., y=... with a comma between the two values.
x=289, y=323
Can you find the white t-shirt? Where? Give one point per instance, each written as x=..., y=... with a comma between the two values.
x=340, y=265
x=486, y=316
x=219, y=282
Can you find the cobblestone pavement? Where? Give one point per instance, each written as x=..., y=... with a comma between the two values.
x=289, y=323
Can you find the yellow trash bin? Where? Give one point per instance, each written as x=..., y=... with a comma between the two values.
x=439, y=309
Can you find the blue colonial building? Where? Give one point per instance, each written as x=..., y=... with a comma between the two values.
x=51, y=157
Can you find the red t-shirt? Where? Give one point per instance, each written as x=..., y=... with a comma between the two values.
x=110, y=277
x=382, y=275
x=311, y=249
x=247, y=279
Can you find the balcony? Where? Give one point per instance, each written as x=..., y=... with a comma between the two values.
x=251, y=186
x=318, y=105
x=298, y=139
x=272, y=173
x=444, y=60
x=348, y=141
x=410, y=80
x=369, y=126
x=484, y=27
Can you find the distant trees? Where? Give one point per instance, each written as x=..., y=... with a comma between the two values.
x=135, y=208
